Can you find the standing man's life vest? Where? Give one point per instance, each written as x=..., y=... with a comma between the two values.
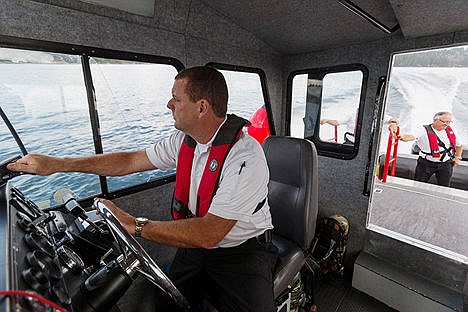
x=227, y=136
x=435, y=142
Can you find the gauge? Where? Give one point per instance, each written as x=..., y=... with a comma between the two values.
x=36, y=241
x=43, y=261
x=36, y=279
x=70, y=259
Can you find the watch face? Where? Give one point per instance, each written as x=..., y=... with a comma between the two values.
x=141, y=220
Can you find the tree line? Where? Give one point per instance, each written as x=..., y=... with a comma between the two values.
x=453, y=57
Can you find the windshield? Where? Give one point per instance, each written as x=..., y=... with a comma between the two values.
x=44, y=96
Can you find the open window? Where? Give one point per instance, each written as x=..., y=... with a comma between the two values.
x=325, y=108
x=424, y=214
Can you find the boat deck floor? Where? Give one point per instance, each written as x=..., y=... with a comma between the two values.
x=334, y=293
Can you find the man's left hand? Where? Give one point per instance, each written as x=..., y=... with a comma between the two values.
x=456, y=161
x=393, y=128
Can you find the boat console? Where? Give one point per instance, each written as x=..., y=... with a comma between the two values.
x=67, y=259
x=47, y=254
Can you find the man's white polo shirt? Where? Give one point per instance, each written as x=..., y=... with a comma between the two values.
x=243, y=183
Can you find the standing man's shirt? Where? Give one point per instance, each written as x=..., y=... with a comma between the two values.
x=243, y=183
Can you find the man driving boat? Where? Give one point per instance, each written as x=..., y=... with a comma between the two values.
x=223, y=222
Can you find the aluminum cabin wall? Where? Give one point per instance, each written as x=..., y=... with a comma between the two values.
x=341, y=182
x=186, y=29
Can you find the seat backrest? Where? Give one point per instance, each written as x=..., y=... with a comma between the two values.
x=292, y=190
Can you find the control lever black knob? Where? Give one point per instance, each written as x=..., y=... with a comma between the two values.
x=102, y=290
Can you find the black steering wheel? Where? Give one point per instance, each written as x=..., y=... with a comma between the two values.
x=147, y=266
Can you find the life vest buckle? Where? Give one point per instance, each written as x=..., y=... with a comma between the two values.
x=178, y=205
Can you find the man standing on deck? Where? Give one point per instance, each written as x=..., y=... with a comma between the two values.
x=223, y=222
x=440, y=150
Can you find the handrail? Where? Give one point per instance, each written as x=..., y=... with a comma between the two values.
x=371, y=19
x=335, y=138
x=392, y=142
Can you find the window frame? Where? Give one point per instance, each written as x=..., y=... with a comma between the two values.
x=263, y=83
x=383, y=97
x=86, y=52
x=328, y=149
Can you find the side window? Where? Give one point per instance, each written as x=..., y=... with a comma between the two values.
x=44, y=96
x=325, y=108
x=421, y=199
x=341, y=93
x=247, y=99
x=131, y=100
x=298, y=106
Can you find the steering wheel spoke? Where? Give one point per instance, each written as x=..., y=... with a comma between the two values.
x=147, y=267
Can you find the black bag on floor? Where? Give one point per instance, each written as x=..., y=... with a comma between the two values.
x=329, y=245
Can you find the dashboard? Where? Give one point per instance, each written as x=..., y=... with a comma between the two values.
x=54, y=260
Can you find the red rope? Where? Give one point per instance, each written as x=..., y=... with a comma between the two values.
x=37, y=297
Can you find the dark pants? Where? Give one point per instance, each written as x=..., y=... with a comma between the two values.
x=442, y=170
x=233, y=279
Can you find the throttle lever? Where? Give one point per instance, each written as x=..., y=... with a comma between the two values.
x=6, y=174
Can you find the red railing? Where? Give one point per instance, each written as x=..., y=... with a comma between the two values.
x=333, y=139
x=392, y=143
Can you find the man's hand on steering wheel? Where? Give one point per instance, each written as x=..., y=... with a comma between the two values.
x=126, y=219
x=122, y=224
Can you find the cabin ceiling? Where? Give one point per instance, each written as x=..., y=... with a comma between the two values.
x=298, y=26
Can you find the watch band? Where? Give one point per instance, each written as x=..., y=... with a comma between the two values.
x=140, y=222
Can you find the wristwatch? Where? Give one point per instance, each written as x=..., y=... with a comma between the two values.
x=139, y=224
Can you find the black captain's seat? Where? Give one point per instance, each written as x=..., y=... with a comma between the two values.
x=293, y=199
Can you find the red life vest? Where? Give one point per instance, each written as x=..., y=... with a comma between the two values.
x=227, y=136
x=434, y=141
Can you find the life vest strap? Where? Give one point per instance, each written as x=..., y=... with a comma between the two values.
x=435, y=142
x=227, y=136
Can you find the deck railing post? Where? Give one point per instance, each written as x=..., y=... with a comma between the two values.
x=392, y=142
